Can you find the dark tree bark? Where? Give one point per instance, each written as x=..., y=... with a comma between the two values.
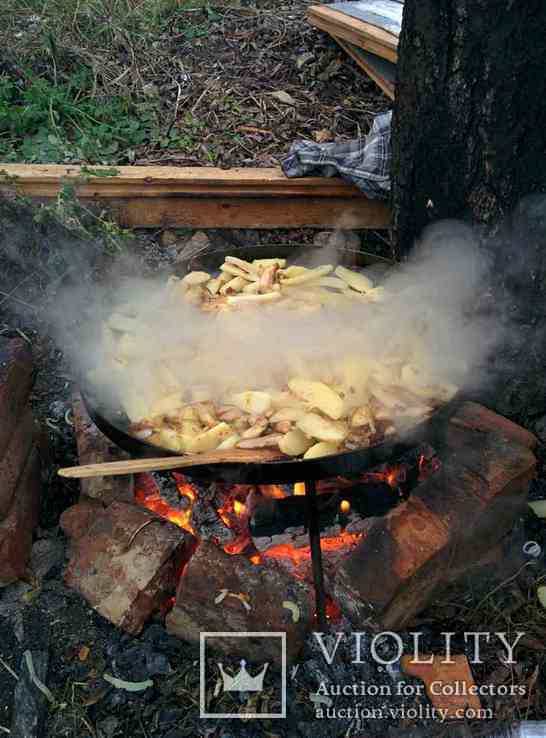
x=470, y=112
x=469, y=142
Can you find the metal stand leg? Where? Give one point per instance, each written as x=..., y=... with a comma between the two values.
x=316, y=553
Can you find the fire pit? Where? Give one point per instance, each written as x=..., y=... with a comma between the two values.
x=369, y=533
x=374, y=495
x=443, y=509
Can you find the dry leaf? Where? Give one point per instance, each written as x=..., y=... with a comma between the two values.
x=304, y=58
x=323, y=136
x=127, y=686
x=283, y=97
x=294, y=609
x=83, y=653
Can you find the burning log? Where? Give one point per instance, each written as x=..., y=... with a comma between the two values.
x=220, y=593
x=275, y=521
x=450, y=521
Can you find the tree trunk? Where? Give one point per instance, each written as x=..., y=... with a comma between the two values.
x=469, y=118
x=469, y=142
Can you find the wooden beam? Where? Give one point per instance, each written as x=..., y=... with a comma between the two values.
x=194, y=197
x=357, y=32
x=358, y=55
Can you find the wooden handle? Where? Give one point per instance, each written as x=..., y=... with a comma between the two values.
x=134, y=466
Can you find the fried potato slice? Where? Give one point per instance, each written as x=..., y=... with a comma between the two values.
x=169, y=438
x=310, y=275
x=209, y=439
x=194, y=279
x=262, y=442
x=319, y=395
x=355, y=280
x=213, y=286
x=234, y=285
x=295, y=443
x=323, y=429
x=230, y=442
x=246, y=299
x=237, y=272
x=324, y=448
x=262, y=263
x=363, y=416
x=254, y=403
x=287, y=414
x=246, y=266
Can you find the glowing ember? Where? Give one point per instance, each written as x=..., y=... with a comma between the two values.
x=345, y=506
x=299, y=488
x=239, y=508
x=333, y=610
x=286, y=551
x=147, y=494
x=272, y=490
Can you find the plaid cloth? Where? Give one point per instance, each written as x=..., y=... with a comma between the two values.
x=366, y=162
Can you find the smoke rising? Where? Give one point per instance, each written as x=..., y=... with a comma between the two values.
x=141, y=344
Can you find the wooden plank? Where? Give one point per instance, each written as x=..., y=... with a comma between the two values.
x=240, y=212
x=193, y=197
x=384, y=14
x=357, y=32
x=45, y=181
x=369, y=63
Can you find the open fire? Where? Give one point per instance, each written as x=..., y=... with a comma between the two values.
x=237, y=510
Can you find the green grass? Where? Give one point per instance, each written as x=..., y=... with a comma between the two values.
x=79, y=79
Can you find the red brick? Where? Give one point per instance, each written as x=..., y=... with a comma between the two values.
x=450, y=521
x=17, y=529
x=16, y=380
x=94, y=448
x=127, y=563
x=76, y=520
x=13, y=463
x=265, y=588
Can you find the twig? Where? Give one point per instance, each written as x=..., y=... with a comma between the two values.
x=501, y=585
x=8, y=295
x=5, y=730
x=7, y=667
x=137, y=531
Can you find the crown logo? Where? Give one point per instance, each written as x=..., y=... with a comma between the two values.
x=243, y=681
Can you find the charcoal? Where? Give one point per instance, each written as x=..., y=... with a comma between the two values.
x=29, y=703
x=47, y=557
x=208, y=525
x=169, y=491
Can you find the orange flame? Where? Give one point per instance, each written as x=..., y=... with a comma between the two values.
x=147, y=495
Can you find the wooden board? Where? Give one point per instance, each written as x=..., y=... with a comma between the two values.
x=194, y=197
x=385, y=14
x=380, y=70
x=364, y=35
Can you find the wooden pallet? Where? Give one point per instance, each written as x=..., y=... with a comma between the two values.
x=194, y=197
x=358, y=32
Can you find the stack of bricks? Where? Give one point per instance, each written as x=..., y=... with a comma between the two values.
x=124, y=560
x=20, y=479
